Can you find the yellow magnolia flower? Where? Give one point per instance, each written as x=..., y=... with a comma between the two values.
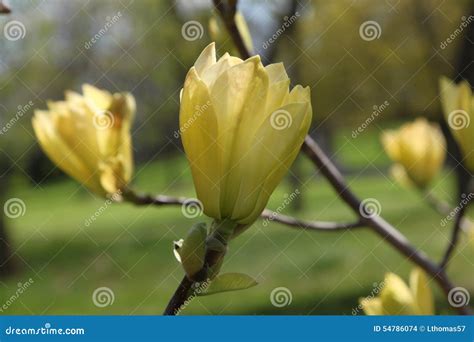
x=418, y=149
x=396, y=298
x=458, y=107
x=241, y=131
x=88, y=137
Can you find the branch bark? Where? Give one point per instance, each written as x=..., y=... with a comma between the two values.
x=335, y=178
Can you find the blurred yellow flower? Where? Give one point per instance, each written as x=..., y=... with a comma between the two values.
x=396, y=298
x=458, y=107
x=241, y=131
x=219, y=34
x=418, y=149
x=88, y=137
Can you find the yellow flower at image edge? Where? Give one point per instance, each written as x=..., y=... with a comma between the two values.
x=396, y=298
x=418, y=150
x=241, y=129
x=88, y=137
x=458, y=107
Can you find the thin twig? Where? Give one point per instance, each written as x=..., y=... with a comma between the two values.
x=464, y=202
x=332, y=174
x=4, y=9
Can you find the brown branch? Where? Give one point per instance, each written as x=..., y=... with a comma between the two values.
x=332, y=174
x=269, y=215
x=463, y=203
x=4, y=9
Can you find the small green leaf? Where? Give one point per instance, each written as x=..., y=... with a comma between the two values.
x=228, y=282
x=193, y=249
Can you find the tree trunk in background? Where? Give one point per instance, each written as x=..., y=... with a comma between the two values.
x=7, y=266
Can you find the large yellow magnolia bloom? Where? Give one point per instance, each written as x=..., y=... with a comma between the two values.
x=396, y=298
x=458, y=107
x=241, y=131
x=418, y=149
x=88, y=137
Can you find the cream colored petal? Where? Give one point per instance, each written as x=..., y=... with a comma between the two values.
x=396, y=297
x=398, y=173
x=100, y=99
x=276, y=72
x=59, y=152
x=421, y=292
x=390, y=143
x=371, y=306
x=273, y=150
x=211, y=74
x=205, y=59
x=198, y=125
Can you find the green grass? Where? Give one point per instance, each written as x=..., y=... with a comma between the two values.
x=129, y=248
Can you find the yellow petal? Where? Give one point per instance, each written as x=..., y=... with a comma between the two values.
x=421, y=292
x=205, y=59
x=371, y=306
x=99, y=98
x=391, y=145
x=396, y=297
x=198, y=125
